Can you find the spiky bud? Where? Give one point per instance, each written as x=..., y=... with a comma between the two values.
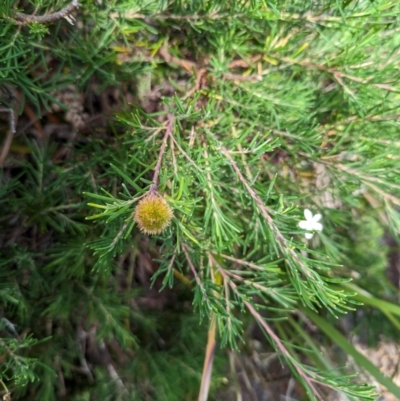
x=153, y=214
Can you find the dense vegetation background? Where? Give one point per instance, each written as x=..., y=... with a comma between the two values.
x=241, y=115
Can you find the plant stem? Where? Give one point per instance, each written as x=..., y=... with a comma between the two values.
x=169, y=127
x=48, y=18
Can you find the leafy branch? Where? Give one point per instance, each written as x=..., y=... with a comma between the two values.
x=23, y=19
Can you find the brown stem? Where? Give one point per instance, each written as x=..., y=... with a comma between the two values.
x=48, y=18
x=270, y=333
x=189, y=66
x=208, y=361
x=10, y=135
x=281, y=347
x=196, y=276
x=282, y=242
x=168, y=132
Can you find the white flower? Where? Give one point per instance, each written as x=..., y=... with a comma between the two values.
x=311, y=223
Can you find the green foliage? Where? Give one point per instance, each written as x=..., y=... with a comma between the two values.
x=241, y=115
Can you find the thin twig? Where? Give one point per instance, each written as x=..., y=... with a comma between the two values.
x=267, y=290
x=188, y=65
x=243, y=63
x=226, y=292
x=196, y=276
x=209, y=182
x=272, y=335
x=246, y=166
x=192, y=137
x=282, y=242
x=108, y=362
x=186, y=155
x=168, y=132
x=201, y=73
x=12, y=355
x=154, y=134
x=35, y=122
x=11, y=120
x=338, y=75
x=242, y=78
x=353, y=172
x=120, y=233
x=173, y=156
x=308, y=17
x=281, y=347
x=7, y=396
x=356, y=119
x=367, y=181
x=188, y=17
x=211, y=343
x=208, y=361
x=48, y=18
x=10, y=135
x=81, y=339
x=241, y=262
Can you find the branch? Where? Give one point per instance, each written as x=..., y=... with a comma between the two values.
x=280, y=346
x=188, y=65
x=10, y=135
x=188, y=17
x=196, y=276
x=7, y=396
x=368, y=181
x=186, y=155
x=282, y=242
x=168, y=132
x=241, y=262
x=48, y=18
x=270, y=333
x=339, y=75
x=208, y=361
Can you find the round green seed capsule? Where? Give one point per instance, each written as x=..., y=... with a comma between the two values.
x=153, y=214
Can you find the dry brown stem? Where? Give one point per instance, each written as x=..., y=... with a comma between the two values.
x=23, y=19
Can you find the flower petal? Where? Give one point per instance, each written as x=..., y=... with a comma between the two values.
x=305, y=225
x=308, y=214
x=308, y=235
x=317, y=217
x=317, y=226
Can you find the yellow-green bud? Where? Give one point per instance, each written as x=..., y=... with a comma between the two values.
x=153, y=214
